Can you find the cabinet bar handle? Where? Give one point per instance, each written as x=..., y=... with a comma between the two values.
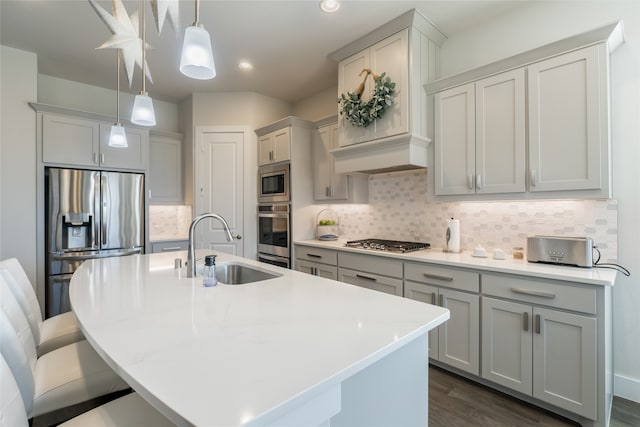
x=537, y=323
x=314, y=255
x=533, y=177
x=314, y=271
x=360, y=276
x=525, y=321
x=172, y=248
x=479, y=181
x=95, y=158
x=533, y=293
x=438, y=277
x=433, y=298
x=470, y=182
x=102, y=158
x=441, y=300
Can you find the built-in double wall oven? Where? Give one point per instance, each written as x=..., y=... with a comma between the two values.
x=274, y=236
x=274, y=216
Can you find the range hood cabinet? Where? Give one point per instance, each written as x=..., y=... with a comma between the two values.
x=405, y=49
x=404, y=152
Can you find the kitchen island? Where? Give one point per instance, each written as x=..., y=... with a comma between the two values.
x=293, y=350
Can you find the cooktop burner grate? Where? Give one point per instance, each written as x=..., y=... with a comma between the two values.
x=387, y=245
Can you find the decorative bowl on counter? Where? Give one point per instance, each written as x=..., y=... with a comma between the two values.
x=327, y=225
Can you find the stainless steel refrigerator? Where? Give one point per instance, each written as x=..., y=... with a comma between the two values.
x=90, y=214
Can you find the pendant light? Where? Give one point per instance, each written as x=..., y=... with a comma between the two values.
x=142, y=113
x=118, y=137
x=197, y=57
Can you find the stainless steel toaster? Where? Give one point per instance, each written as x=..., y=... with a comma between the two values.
x=576, y=251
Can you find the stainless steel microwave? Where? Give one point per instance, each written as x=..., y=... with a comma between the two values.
x=273, y=183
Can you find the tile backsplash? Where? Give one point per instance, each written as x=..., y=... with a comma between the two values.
x=169, y=222
x=398, y=209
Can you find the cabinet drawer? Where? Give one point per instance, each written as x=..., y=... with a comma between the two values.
x=543, y=292
x=371, y=281
x=180, y=245
x=371, y=264
x=442, y=276
x=325, y=256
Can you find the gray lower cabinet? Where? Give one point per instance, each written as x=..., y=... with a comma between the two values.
x=169, y=246
x=317, y=262
x=456, y=342
x=548, y=340
x=371, y=272
x=533, y=347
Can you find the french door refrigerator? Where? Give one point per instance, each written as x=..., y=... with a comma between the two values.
x=90, y=214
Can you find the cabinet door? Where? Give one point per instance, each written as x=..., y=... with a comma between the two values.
x=371, y=281
x=391, y=56
x=455, y=142
x=281, y=145
x=327, y=271
x=305, y=266
x=165, y=170
x=70, y=140
x=568, y=121
x=507, y=344
x=564, y=361
x=327, y=184
x=265, y=149
x=500, y=133
x=317, y=269
x=349, y=79
x=458, y=338
x=132, y=157
x=322, y=163
x=427, y=294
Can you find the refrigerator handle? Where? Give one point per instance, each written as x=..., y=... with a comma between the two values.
x=104, y=191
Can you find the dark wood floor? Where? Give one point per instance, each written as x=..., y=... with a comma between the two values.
x=455, y=401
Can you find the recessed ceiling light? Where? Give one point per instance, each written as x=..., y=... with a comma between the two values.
x=245, y=65
x=330, y=5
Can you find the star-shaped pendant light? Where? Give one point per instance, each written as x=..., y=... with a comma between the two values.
x=166, y=8
x=125, y=36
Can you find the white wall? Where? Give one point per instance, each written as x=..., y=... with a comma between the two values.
x=539, y=23
x=94, y=99
x=318, y=106
x=18, y=80
x=244, y=110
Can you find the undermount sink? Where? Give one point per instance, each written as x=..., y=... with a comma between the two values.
x=232, y=273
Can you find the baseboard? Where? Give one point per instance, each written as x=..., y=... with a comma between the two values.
x=625, y=387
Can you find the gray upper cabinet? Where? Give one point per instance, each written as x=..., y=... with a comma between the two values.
x=535, y=125
x=327, y=184
x=165, y=168
x=568, y=119
x=77, y=141
x=480, y=136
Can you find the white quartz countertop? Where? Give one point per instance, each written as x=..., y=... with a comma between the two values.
x=236, y=355
x=593, y=276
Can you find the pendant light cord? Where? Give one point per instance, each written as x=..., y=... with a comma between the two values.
x=118, y=88
x=196, y=23
x=144, y=50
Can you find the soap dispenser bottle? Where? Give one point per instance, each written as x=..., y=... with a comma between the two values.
x=209, y=272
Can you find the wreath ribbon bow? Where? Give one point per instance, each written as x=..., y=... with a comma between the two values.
x=363, y=114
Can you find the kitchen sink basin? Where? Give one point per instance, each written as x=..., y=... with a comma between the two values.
x=232, y=273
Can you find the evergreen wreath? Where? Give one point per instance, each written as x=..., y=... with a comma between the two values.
x=362, y=115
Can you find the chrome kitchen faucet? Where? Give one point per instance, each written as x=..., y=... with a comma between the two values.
x=191, y=262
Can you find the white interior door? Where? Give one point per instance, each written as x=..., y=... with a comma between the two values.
x=219, y=188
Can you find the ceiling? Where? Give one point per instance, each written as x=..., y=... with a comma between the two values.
x=288, y=42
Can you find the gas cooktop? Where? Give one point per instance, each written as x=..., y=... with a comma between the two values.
x=388, y=245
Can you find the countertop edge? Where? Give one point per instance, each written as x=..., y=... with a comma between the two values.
x=590, y=276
